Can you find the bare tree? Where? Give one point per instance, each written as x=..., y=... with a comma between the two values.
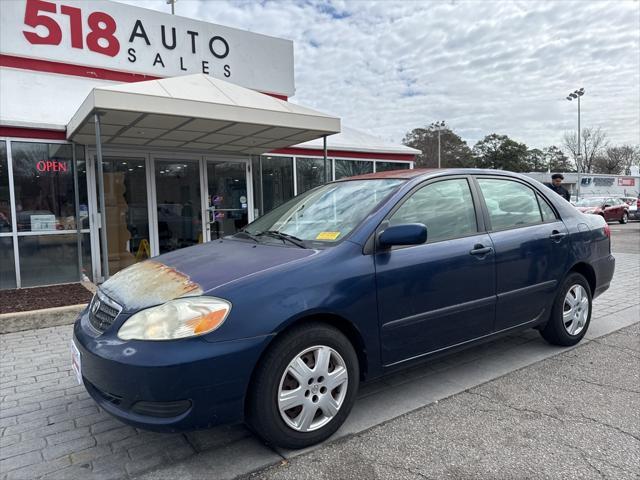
x=616, y=160
x=611, y=164
x=593, y=141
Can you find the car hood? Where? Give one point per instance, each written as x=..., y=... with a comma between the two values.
x=194, y=270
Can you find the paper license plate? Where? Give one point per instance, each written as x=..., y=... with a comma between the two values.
x=76, y=362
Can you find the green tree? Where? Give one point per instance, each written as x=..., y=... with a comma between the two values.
x=501, y=152
x=454, y=150
x=536, y=160
x=557, y=161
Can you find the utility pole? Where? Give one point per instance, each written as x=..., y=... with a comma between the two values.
x=577, y=94
x=173, y=6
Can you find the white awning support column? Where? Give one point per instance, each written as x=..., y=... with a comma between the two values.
x=324, y=149
x=77, y=208
x=103, y=212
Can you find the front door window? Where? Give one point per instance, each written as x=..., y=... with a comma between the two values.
x=178, y=204
x=228, y=197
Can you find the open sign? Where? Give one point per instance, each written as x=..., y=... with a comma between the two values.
x=51, y=166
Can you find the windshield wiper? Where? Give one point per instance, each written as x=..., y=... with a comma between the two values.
x=285, y=237
x=248, y=235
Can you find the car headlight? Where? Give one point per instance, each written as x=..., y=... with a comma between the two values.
x=180, y=318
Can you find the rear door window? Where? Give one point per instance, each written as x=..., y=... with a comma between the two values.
x=548, y=215
x=510, y=204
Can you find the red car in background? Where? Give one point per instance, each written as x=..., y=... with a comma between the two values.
x=609, y=208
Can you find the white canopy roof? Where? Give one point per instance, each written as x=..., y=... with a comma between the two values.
x=353, y=140
x=196, y=112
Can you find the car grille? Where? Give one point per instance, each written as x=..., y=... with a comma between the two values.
x=102, y=312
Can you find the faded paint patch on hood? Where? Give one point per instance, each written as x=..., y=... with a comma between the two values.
x=148, y=283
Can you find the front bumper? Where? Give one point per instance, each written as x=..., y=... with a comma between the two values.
x=169, y=386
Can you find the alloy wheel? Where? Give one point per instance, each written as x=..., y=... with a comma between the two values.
x=575, y=311
x=312, y=388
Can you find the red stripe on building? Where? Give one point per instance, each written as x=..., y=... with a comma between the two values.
x=345, y=153
x=32, y=133
x=68, y=69
x=80, y=71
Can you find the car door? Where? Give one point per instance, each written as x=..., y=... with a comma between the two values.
x=620, y=206
x=531, y=249
x=440, y=293
x=608, y=209
x=614, y=210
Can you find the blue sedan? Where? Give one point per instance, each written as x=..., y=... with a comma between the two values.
x=278, y=324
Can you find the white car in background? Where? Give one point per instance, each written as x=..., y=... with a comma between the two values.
x=634, y=209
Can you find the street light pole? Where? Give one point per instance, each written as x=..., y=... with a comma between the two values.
x=173, y=6
x=577, y=94
x=439, y=127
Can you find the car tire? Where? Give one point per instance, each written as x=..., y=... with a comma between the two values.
x=625, y=218
x=321, y=404
x=570, y=313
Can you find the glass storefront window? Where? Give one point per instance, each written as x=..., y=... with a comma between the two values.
x=350, y=168
x=179, y=208
x=5, y=200
x=48, y=259
x=44, y=188
x=310, y=173
x=257, y=186
x=86, y=256
x=277, y=181
x=7, y=263
x=83, y=196
x=388, y=166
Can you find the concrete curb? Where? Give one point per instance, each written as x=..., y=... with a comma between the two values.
x=47, y=317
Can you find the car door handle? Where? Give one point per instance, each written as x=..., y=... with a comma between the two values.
x=556, y=236
x=480, y=250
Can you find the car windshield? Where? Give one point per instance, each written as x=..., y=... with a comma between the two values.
x=325, y=214
x=590, y=202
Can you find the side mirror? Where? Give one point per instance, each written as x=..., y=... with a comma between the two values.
x=606, y=205
x=405, y=234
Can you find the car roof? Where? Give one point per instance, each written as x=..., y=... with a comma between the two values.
x=427, y=172
x=405, y=174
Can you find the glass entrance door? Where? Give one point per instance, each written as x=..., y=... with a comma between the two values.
x=228, y=197
x=127, y=214
x=178, y=201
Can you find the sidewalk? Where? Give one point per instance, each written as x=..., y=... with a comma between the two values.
x=49, y=427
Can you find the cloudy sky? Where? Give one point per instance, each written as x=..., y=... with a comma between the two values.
x=482, y=66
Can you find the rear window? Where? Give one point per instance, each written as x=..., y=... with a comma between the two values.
x=510, y=204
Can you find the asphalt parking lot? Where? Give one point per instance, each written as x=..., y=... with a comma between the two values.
x=574, y=415
x=510, y=408
x=625, y=238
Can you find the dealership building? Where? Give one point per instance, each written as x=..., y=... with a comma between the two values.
x=126, y=133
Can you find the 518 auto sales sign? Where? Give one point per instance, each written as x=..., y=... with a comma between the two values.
x=115, y=36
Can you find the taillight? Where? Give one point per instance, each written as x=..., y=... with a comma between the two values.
x=607, y=230
x=638, y=203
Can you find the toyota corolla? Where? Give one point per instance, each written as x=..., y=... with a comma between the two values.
x=278, y=324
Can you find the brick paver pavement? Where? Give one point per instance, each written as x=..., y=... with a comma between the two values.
x=51, y=428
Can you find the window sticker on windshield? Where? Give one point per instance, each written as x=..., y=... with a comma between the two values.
x=327, y=235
